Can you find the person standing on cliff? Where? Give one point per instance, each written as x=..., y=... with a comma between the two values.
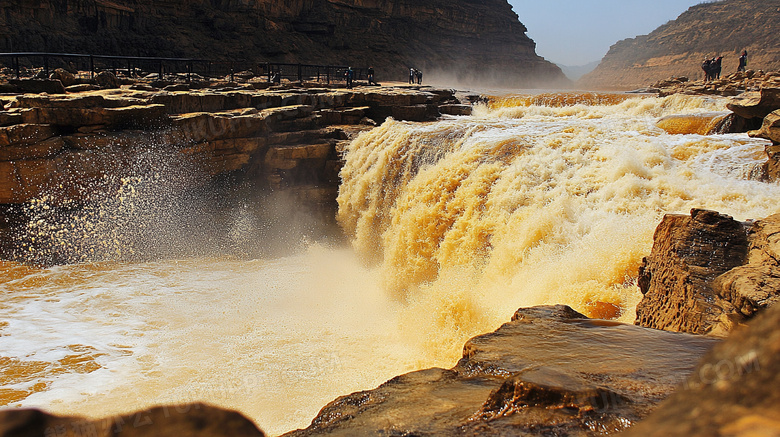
x=419, y=77
x=349, y=75
x=412, y=74
x=742, y=61
x=371, y=76
x=706, y=67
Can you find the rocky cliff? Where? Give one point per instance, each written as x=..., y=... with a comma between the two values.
x=75, y=154
x=464, y=38
x=677, y=48
x=708, y=273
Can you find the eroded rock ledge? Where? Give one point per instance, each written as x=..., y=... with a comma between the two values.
x=708, y=273
x=73, y=150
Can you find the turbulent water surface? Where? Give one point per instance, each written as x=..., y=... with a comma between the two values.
x=453, y=225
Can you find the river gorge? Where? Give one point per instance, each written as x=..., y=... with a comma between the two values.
x=445, y=229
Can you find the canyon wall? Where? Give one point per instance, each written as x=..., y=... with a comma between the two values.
x=465, y=39
x=678, y=47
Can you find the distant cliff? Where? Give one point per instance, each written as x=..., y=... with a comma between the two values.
x=463, y=38
x=678, y=47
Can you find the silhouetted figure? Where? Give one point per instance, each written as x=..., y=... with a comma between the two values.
x=419, y=77
x=370, y=73
x=742, y=61
x=716, y=67
x=412, y=74
x=349, y=75
x=705, y=66
x=712, y=68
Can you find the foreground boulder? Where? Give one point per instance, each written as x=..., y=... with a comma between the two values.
x=191, y=420
x=550, y=371
x=708, y=273
x=732, y=392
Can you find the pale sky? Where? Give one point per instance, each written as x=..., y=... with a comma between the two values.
x=577, y=32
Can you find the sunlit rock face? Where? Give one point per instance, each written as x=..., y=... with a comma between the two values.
x=708, y=273
x=550, y=371
x=678, y=47
x=462, y=39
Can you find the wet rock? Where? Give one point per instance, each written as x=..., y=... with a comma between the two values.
x=192, y=420
x=732, y=392
x=756, y=104
x=708, y=273
x=25, y=134
x=550, y=371
x=455, y=109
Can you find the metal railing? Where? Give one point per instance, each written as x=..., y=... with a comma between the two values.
x=136, y=66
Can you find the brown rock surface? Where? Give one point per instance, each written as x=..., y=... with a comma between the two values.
x=771, y=168
x=550, y=371
x=190, y=420
x=708, y=273
x=732, y=392
x=678, y=47
x=756, y=104
x=466, y=39
x=770, y=128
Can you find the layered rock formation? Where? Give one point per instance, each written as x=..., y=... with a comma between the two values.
x=62, y=155
x=470, y=40
x=729, y=85
x=708, y=273
x=550, y=371
x=678, y=48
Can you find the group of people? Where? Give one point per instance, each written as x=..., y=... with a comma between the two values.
x=349, y=76
x=712, y=67
x=415, y=76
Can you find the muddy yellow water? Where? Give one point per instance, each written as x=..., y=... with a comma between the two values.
x=452, y=226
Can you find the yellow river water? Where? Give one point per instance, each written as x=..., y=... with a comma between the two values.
x=452, y=225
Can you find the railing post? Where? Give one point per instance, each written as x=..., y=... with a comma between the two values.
x=91, y=67
x=46, y=65
x=18, y=70
x=327, y=73
x=232, y=79
x=189, y=72
x=160, y=74
x=300, y=73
